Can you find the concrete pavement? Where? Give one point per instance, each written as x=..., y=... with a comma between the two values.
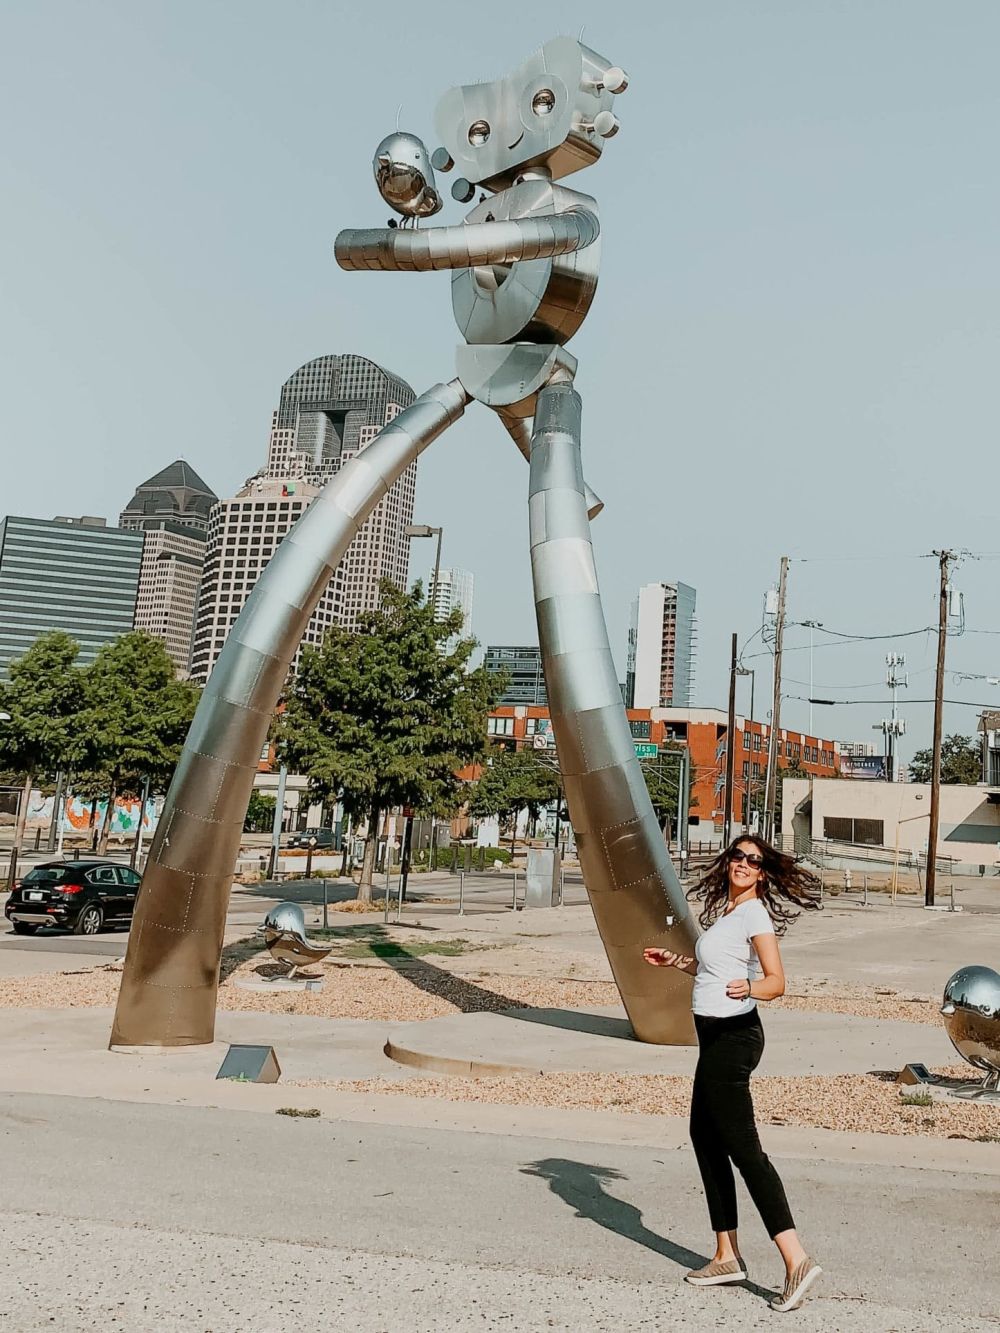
x=182, y=1218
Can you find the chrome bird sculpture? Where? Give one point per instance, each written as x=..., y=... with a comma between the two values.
x=285, y=938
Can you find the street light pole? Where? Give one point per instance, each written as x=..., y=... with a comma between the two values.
x=774, y=738
x=426, y=530
x=727, y=822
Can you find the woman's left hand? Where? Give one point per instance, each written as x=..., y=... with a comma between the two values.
x=738, y=989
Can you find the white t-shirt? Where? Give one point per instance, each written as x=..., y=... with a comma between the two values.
x=724, y=953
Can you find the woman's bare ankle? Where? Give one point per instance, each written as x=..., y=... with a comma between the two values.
x=727, y=1248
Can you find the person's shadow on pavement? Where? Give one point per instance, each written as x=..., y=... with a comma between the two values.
x=581, y=1186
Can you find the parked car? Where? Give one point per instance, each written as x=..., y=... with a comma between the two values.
x=323, y=836
x=82, y=896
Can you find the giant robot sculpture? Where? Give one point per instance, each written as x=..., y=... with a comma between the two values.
x=525, y=265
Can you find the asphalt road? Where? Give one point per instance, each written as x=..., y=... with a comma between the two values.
x=117, y=1215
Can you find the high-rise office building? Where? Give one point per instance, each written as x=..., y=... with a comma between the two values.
x=453, y=593
x=661, y=647
x=72, y=574
x=176, y=494
x=523, y=668
x=330, y=410
x=172, y=508
x=243, y=533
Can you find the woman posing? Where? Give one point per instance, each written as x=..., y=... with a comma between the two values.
x=746, y=895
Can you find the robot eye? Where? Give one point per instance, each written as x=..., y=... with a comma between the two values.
x=479, y=133
x=543, y=102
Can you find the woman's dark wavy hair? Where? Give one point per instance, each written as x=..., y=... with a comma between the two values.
x=783, y=882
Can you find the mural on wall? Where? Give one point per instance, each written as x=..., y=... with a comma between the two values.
x=77, y=814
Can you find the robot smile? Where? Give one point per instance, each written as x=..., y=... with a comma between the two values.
x=516, y=141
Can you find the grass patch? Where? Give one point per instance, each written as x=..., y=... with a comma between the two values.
x=302, y=1112
x=380, y=947
x=916, y=1099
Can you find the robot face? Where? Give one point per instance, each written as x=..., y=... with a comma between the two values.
x=555, y=111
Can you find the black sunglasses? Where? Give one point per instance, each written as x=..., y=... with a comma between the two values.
x=751, y=858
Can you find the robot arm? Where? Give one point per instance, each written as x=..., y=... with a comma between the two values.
x=388, y=249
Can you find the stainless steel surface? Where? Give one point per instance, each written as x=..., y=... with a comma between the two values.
x=543, y=299
x=405, y=177
x=286, y=940
x=171, y=976
x=971, y=1010
x=630, y=879
x=543, y=114
x=390, y=249
x=519, y=429
x=526, y=265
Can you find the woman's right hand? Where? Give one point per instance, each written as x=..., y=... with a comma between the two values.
x=664, y=958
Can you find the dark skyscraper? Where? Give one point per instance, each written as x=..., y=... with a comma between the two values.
x=172, y=509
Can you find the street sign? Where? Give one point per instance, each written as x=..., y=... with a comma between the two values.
x=645, y=750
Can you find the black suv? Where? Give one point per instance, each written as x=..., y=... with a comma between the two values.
x=82, y=896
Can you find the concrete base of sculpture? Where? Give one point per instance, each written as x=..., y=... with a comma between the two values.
x=264, y=985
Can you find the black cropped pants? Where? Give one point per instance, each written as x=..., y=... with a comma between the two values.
x=723, y=1130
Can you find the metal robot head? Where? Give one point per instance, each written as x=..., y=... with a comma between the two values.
x=554, y=112
x=405, y=177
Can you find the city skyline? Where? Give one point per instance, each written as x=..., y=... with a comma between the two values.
x=815, y=356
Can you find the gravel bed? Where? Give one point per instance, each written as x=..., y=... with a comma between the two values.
x=864, y=1103
x=372, y=990
x=411, y=989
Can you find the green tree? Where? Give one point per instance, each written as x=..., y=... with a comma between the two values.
x=386, y=716
x=137, y=714
x=44, y=697
x=512, y=781
x=260, y=813
x=961, y=762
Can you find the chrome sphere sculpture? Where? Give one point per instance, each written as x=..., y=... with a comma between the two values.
x=285, y=937
x=524, y=265
x=971, y=1012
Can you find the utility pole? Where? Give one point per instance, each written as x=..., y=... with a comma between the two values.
x=944, y=560
x=727, y=823
x=893, y=726
x=770, y=788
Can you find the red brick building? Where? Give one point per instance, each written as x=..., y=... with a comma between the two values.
x=703, y=732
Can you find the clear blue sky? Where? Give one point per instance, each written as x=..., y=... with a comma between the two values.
x=793, y=350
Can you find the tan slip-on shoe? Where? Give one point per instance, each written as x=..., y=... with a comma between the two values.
x=797, y=1284
x=718, y=1273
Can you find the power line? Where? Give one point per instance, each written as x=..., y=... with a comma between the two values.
x=850, y=703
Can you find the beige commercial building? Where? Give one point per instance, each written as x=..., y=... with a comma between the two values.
x=330, y=410
x=169, y=580
x=874, y=814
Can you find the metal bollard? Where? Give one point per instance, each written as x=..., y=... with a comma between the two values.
x=562, y=886
x=866, y=890
x=388, y=884
x=514, y=901
x=399, y=897
x=953, y=895
x=461, y=893
x=326, y=906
